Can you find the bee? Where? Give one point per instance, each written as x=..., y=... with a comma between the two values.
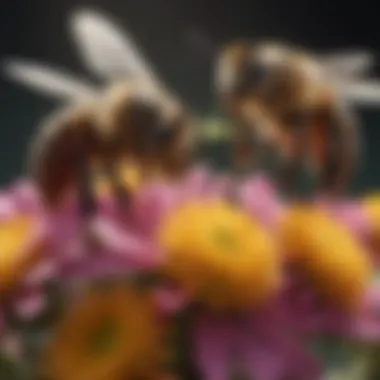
x=155, y=130
x=135, y=119
x=288, y=100
x=126, y=126
x=60, y=155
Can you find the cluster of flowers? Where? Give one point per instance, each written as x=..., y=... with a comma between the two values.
x=238, y=287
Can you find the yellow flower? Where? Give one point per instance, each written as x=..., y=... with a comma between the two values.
x=112, y=334
x=220, y=256
x=18, y=253
x=325, y=251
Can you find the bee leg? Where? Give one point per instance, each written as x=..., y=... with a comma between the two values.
x=250, y=151
x=121, y=192
x=296, y=174
x=342, y=150
x=87, y=201
x=241, y=162
x=246, y=153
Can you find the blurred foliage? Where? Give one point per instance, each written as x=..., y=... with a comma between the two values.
x=215, y=129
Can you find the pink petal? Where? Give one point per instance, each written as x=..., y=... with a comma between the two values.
x=291, y=357
x=301, y=312
x=366, y=325
x=42, y=273
x=263, y=184
x=127, y=246
x=195, y=183
x=308, y=314
x=67, y=229
x=64, y=225
x=171, y=300
x=98, y=265
x=263, y=363
x=214, y=346
x=302, y=363
x=74, y=250
x=271, y=349
x=153, y=204
x=25, y=196
x=217, y=187
x=260, y=358
x=261, y=200
x=29, y=306
x=7, y=207
x=336, y=322
x=351, y=213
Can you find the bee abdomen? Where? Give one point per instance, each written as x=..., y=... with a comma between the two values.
x=56, y=152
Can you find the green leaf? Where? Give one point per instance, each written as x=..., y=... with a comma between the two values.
x=10, y=370
x=344, y=360
x=214, y=130
x=355, y=369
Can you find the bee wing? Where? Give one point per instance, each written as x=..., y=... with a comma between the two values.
x=48, y=81
x=349, y=64
x=106, y=49
x=366, y=93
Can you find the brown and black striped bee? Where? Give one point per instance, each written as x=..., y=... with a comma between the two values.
x=283, y=99
x=126, y=126
x=156, y=129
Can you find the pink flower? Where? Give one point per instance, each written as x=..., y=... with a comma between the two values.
x=125, y=241
x=21, y=197
x=20, y=204
x=309, y=314
x=260, y=345
x=260, y=198
x=365, y=327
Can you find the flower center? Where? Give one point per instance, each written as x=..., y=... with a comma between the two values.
x=225, y=238
x=104, y=339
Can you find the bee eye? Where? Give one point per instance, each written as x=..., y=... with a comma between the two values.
x=298, y=120
x=255, y=74
x=163, y=135
x=143, y=112
x=252, y=77
x=165, y=131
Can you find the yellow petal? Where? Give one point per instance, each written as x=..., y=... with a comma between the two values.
x=18, y=250
x=332, y=259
